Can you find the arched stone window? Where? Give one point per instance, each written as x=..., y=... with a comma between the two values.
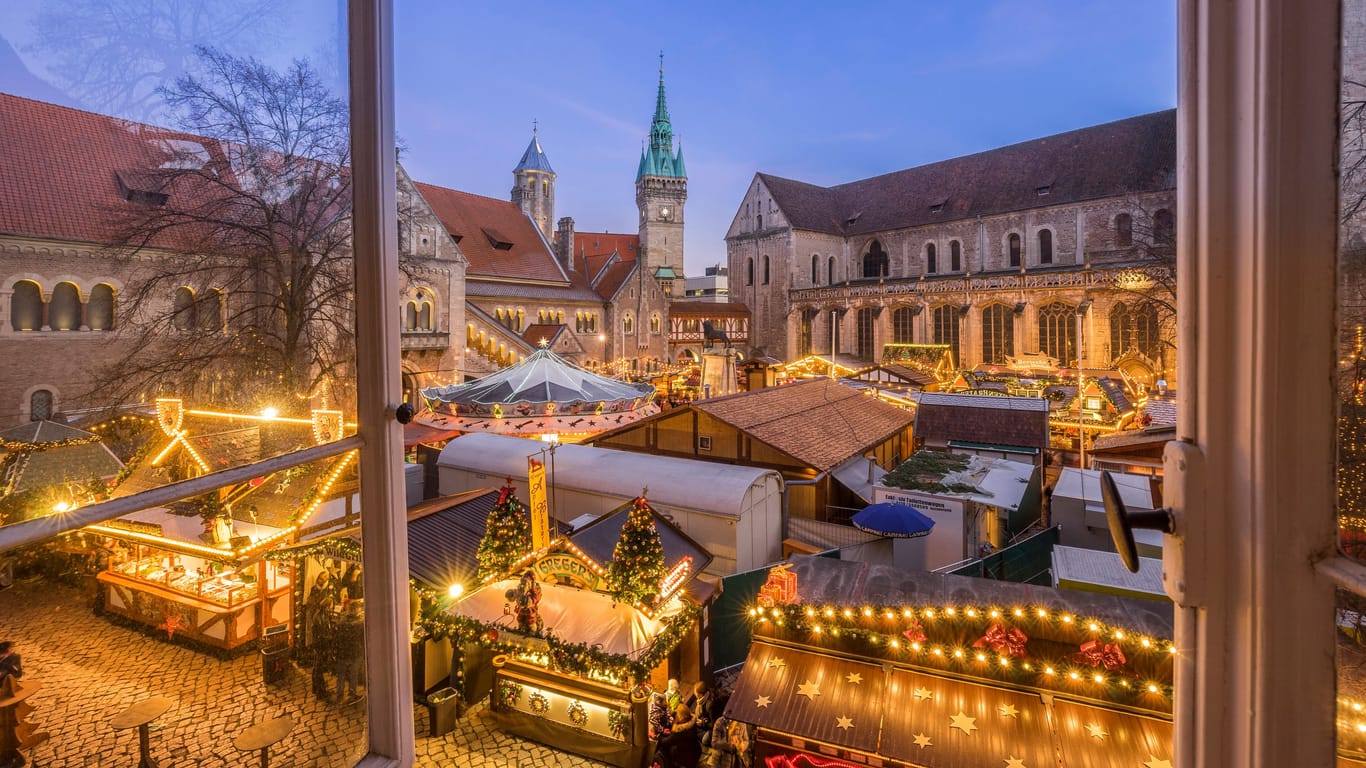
x=864, y=334
x=804, y=332
x=955, y=256
x=26, y=306
x=766, y=272
x=1124, y=230
x=931, y=259
x=1013, y=247
x=424, y=316
x=1134, y=329
x=815, y=267
x=64, y=309
x=1164, y=229
x=875, y=261
x=210, y=310
x=656, y=324
x=830, y=271
x=100, y=311
x=749, y=271
x=946, y=328
x=1058, y=331
x=40, y=405
x=182, y=317
x=1045, y=246
x=903, y=325
x=545, y=188
x=628, y=324
x=410, y=316
x=521, y=320
x=998, y=334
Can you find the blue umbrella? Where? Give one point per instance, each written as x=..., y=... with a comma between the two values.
x=892, y=519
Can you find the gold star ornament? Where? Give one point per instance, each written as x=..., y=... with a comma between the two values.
x=1153, y=762
x=844, y=722
x=1008, y=710
x=963, y=723
x=1015, y=762
x=775, y=662
x=762, y=701
x=923, y=693
x=809, y=689
x=1096, y=731
x=853, y=677
x=922, y=741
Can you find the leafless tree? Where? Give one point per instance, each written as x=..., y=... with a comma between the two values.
x=1144, y=249
x=238, y=241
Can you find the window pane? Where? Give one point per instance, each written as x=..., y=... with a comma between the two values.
x=204, y=148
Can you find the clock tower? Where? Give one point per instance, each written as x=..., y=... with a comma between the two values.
x=661, y=191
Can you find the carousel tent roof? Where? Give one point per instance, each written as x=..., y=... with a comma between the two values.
x=543, y=377
x=33, y=461
x=43, y=431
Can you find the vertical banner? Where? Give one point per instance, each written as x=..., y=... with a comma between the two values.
x=540, y=509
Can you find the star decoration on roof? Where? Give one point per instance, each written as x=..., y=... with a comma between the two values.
x=1015, y=762
x=1008, y=710
x=963, y=723
x=762, y=701
x=844, y=722
x=544, y=342
x=809, y=689
x=1153, y=762
x=853, y=677
x=922, y=741
x=1096, y=731
x=775, y=662
x=923, y=693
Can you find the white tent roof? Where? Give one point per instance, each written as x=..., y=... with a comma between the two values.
x=681, y=483
x=1084, y=484
x=576, y=615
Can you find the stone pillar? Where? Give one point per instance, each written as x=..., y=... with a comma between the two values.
x=47, y=302
x=6, y=297
x=85, y=315
x=970, y=338
x=718, y=373
x=1027, y=334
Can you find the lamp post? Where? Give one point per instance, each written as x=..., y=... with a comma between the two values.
x=1082, y=309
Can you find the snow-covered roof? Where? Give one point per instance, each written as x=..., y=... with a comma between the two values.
x=1084, y=484
x=544, y=377
x=682, y=483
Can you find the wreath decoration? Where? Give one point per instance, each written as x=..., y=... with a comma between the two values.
x=577, y=714
x=539, y=703
x=508, y=694
x=618, y=723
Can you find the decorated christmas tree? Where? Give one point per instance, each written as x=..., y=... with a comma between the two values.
x=507, y=534
x=637, y=566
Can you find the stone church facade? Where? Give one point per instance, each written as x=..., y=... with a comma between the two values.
x=1061, y=246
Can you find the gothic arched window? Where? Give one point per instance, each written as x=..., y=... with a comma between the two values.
x=209, y=313
x=182, y=306
x=766, y=272
x=1134, y=329
x=804, y=332
x=1124, y=230
x=815, y=266
x=100, y=312
x=410, y=316
x=955, y=256
x=64, y=309
x=628, y=324
x=1164, y=229
x=903, y=325
x=1058, y=331
x=749, y=271
x=26, y=306
x=1045, y=246
x=998, y=334
x=863, y=326
x=424, y=316
x=1013, y=246
x=946, y=328
x=830, y=271
x=656, y=324
x=40, y=405
x=875, y=261
x=931, y=259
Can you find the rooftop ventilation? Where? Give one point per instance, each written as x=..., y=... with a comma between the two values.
x=937, y=207
x=1045, y=189
x=496, y=240
x=141, y=187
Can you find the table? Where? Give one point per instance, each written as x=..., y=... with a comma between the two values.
x=12, y=694
x=263, y=735
x=139, y=716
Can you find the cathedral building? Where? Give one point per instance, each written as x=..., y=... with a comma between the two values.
x=1058, y=248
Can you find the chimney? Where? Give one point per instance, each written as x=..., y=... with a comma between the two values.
x=564, y=241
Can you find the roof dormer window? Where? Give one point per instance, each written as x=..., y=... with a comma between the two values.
x=937, y=207
x=1043, y=190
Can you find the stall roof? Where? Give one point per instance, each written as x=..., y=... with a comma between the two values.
x=598, y=540
x=673, y=482
x=853, y=474
x=444, y=536
x=1084, y=484
x=1093, y=570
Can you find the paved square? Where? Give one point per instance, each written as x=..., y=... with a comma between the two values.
x=91, y=669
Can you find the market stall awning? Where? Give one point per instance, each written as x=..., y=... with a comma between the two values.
x=854, y=474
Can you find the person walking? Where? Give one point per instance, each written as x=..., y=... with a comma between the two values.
x=11, y=666
x=350, y=652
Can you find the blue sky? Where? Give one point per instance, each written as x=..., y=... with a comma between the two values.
x=818, y=91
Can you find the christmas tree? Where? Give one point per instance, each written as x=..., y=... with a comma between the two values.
x=637, y=566
x=507, y=534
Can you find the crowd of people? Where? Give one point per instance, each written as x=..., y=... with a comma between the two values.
x=694, y=731
x=336, y=634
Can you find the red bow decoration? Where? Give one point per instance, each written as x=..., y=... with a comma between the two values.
x=916, y=633
x=1010, y=642
x=1098, y=654
x=505, y=492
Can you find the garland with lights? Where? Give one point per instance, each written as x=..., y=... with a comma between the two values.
x=1032, y=646
x=507, y=534
x=637, y=567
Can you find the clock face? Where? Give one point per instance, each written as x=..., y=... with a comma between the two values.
x=665, y=212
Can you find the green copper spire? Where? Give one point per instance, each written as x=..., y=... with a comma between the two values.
x=661, y=132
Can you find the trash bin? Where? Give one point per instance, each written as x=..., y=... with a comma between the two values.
x=442, y=707
x=275, y=654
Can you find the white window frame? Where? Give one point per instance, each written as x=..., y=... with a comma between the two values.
x=1250, y=477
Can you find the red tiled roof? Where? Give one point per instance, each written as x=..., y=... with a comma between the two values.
x=708, y=309
x=537, y=331
x=616, y=275
x=587, y=244
x=474, y=221
x=60, y=168
x=1015, y=421
x=1137, y=154
x=820, y=422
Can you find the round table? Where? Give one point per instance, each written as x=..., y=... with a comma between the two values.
x=139, y=716
x=263, y=735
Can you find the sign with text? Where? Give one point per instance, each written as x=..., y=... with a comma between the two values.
x=540, y=508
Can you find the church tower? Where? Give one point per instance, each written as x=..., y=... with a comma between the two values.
x=533, y=187
x=661, y=191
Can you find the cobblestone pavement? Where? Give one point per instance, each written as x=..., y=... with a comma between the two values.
x=91, y=669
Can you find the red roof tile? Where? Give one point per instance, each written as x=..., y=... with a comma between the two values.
x=538, y=331
x=615, y=275
x=587, y=244
x=476, y=221
x=1137, y=154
